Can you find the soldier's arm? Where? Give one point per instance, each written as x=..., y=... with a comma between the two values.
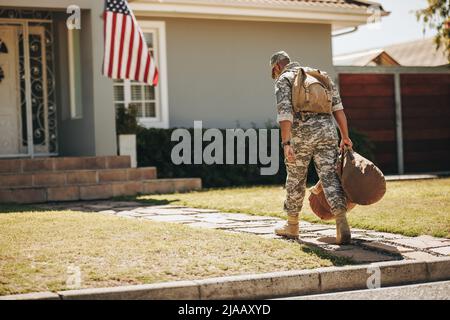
x=284, y=114
x=339, y=115
x=283, y=93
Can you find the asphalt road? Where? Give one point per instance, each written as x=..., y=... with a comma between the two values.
x=424, y=291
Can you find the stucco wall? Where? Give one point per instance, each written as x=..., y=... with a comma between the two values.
x=218, y=70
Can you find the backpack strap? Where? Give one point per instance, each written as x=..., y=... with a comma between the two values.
x=303, y=75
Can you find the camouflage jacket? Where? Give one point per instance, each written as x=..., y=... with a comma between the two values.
x=283, y=93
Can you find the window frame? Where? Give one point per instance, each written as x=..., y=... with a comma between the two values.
x=161, y=119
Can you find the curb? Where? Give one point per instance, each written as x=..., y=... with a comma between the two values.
x=267, y=285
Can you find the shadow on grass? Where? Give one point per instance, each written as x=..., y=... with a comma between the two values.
x=150, y=202
x=13, y=207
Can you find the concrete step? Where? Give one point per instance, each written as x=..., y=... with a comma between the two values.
x=75, y=177
x=9, y=166
x=97, y=191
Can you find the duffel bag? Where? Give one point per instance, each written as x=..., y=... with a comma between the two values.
x=362, y=181
x=319, y=204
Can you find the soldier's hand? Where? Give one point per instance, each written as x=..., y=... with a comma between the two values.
x=289, y=154
x=346, y=142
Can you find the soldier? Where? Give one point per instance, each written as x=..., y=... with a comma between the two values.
x=306, y=136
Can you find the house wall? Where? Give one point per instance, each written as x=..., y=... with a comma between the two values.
x=218, y=70
x=95, y=133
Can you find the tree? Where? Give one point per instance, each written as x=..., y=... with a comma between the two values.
x=436, y=16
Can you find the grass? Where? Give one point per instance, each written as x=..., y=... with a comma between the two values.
x=38, y=247
x=409, y=207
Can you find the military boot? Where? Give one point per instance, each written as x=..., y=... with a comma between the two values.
x=290, y=229
x=343, y=235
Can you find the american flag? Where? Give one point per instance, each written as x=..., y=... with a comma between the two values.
x=126, y=52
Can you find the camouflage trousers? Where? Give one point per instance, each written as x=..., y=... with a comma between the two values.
x=315, y=138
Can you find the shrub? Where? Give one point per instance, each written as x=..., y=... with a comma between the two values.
x=154, y=147
x=126, y=120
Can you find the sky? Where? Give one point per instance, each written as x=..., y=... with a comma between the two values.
x=400, y=26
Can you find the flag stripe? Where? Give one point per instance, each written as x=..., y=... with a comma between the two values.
x=117, y=37
x=125, y=50
x=122, y=40
x=139, y=57
x=126, y=55
x=130, y=51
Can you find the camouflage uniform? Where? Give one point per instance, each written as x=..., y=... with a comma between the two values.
x=314, y=136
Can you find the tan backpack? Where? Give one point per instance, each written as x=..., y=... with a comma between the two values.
x=311, y=92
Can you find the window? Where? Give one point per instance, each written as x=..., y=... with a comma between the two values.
x=150, y=102
x=74, y=55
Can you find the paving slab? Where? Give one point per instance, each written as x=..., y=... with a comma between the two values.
x=419, y=256
x=383, y=235
x=200, y=210
x=442, y=250
x=171, y=218
x=256, y=230
x=237, y=225
x=212, y=217
x=247, y=217
x=421, y=242
x=390, y=248
x=327, y=232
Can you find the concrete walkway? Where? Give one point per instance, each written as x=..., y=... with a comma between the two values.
x=366, y=247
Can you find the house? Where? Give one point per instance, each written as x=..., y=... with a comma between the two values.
x=213, y=63
x=417, y=53
x=213, y=55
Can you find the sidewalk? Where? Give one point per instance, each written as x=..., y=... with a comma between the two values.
x=366, y=247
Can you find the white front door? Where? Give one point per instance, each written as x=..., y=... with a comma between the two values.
x=10, y=126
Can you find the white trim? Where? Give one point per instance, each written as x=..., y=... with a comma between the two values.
x=338, y=17
x=72, y=84
x=160, y=53
x=27, y=74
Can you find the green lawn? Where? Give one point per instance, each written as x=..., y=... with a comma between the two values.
x=38, y=247
x=409, y=207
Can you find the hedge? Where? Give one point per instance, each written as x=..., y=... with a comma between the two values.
x=154, y=147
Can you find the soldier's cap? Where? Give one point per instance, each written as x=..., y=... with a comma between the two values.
x=277, y=57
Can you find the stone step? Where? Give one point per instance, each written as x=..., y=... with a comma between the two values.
x=97, y=191
x=9, y=166
x=75, y=177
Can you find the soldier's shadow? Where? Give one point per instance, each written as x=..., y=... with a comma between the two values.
x=326, y=247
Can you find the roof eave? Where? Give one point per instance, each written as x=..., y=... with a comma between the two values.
x=339, y=18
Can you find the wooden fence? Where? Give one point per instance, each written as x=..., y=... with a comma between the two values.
x=405, y=111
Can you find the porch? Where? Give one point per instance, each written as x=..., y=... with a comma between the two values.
x=81, y=178
x=54, y=100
